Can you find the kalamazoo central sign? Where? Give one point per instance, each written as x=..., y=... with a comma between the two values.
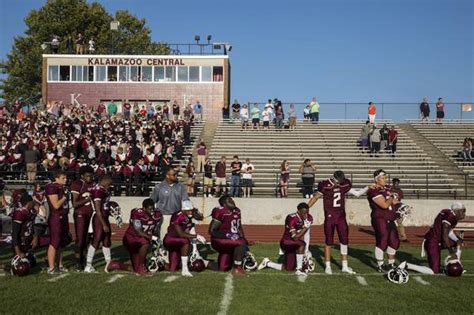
x=135, y=61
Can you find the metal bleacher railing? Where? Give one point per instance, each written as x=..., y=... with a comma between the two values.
x=397, y=112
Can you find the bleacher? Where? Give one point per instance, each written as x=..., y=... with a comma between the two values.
x=331, y=145
x=448, y=138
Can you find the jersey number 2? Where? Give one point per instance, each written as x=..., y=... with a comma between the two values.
x=337, y=199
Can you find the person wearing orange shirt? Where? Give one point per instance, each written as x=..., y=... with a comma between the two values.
x=372, y=111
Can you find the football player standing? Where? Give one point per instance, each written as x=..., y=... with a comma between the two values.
x=81, y=202
x=334, y=191
x=383, y=219
x=100, y=223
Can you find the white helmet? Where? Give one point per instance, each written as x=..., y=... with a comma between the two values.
x=404, y=210
x=249, y=262
x=398, y=275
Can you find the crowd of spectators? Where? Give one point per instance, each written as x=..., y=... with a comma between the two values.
x=133, y=145
x=375, y=140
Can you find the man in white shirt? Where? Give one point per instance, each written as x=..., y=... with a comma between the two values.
x=247, y=171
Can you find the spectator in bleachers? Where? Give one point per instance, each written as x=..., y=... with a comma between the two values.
x=392, y=140
x=364, y=136
x=220, y=169
x=384, y=138
x=32, y=157
x=292, y=117
x=266, y=115
x=372, y=112
x=279, y=116
x=439, y=110
x=307, y=171
x=175, y=110
x=425, y=110
x=112, y=108
x=201, y=150
x=244, y=117
x=126, y=110
x=208, y=178
x=236, y=167
x=255, y=113
x=235, y=110
x=314, y=110
x=166, y=111
x=284, y=178
x=197, y=111
x=187, y=112
x=374, y=142
x=307, y=112
x=467, y=150
x=190, y=171
x=225, y=111
x=247, y=172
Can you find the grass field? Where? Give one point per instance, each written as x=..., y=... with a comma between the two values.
x=263, y=292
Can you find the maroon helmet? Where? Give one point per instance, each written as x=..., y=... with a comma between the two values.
x=454, y=268
x=197, y=265
x=20, y=266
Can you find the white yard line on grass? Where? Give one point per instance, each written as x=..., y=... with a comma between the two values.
x=64, y=275
x=2, y=274
x=115, y=278
x=227, y=295
x=322, y=274
x=170, y=278
x=361, y=280
x=421, y=281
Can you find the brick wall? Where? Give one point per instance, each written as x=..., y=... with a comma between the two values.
x=211, y=96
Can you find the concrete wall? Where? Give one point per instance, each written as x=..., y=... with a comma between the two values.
x=272, y=211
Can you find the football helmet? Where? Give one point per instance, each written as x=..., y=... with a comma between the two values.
x=308, y=262
x=249, y=262
x=454, y=268
x=157, y=262
x=404, y=210
x=197, y=265
x=20, y=266
x=398, y=275
x=116, y=212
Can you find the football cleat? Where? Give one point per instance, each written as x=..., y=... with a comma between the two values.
x=63, y=269
x=90, y=269
x=328, y=271
x=79, y=268
x=263, y=264
x=382, y=268
x=300, y=273
x=186, y=273
x=53, y=272
x=348, y=270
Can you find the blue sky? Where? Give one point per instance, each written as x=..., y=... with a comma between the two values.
x=336, y=50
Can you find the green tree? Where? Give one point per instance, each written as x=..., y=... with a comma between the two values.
x=67, y=18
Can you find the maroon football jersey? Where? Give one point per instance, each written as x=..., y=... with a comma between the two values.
x=436, y=230
x=181, y=219
x=26, y=219
x=101, y=194
x=334, y=195
x=293, y=223
x=56, y=189
x=230, y=220
x=80, y=188
x=148, y=222
x=377, y=212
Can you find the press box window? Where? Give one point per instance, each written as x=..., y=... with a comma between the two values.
x=182, y=74
x=159, y=74
x=101, y=73
x=123, y=74
x=147, y=73
x=217, y=74
x=53, y=73
x=135, y=74
x=193, y=74
x=170, y=74
x=112, y=74
x=64, y=73
x=206, y=74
